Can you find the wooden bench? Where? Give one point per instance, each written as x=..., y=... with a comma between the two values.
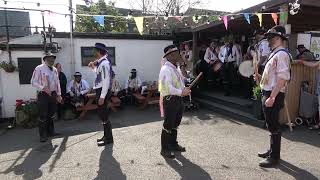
x=114, y=103
x=151, y=98
x=141, y=99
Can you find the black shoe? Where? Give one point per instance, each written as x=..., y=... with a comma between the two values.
x=101, y=139
x=269, y=162
x=105, y=142
x=264, y=154
x=167, y=154
x=178, y=148
x=43, y=139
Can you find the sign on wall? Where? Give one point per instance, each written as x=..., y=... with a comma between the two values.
x=315, y=47
x=87, y=55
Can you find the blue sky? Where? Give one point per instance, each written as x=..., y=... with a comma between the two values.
x=62, y=22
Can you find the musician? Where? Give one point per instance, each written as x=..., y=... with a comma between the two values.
x=262, y=49
x=274, y=83
x=77, y=90
x=133, y=84
x=103, y=83
x=304, y=53
x=172, y=89
x=46, y=79
x=230, y=56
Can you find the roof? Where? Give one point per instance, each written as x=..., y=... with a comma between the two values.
x=193, y=11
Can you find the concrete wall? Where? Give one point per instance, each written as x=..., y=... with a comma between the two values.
x=144, y=55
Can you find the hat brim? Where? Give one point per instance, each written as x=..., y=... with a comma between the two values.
x=268, y=34
x=102, y=49
x=49, y=56
x=170, y=52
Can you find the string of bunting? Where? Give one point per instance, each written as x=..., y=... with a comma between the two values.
x=139, y=20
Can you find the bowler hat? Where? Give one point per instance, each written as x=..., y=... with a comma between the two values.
x=77, y=74
x=101, y=46
x=49, y=55
x=276, y=31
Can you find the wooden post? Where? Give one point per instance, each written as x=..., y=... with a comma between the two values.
x=195, y=52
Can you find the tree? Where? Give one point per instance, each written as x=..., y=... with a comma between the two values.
x=173, y=7
x=111, y=24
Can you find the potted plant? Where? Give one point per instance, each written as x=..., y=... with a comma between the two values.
x=27, y=114
x=257, y=104
x=7, y=66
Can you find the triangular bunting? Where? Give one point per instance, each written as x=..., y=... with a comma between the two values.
x=247, y=17
x=225, y=21
x=260, y=18
x=283, y=18
x=139, y=24
x=179, y=18
x=99, y=20
x=275, y=18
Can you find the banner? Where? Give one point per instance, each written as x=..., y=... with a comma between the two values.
x=247, y=17
x=260, y=18
x=225, y=21
x=275, y=18
x=139, y=24
x=315, y=47
x=99, y=20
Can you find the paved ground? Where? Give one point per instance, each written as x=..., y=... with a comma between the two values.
x=217, y=148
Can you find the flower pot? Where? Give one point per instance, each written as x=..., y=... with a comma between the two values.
x=257, y=109
x=9, y=69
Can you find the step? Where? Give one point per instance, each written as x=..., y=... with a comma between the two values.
x=229, y=101
x=229, y=111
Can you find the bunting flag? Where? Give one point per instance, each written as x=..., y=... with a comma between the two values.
x=275, y=18
x=247, y=17
x=225, y=21
x=139, y=24
x=260, y=18
x=99, y=20
x=283, y=18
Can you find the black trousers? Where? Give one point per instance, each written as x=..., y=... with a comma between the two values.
x=103, y=110
x=173, y=111
x=272, y=119
x=229, y=76
x=47, y=108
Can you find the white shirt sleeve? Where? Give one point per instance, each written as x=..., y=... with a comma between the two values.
x=105, y=78
x=86, y=87
x=139, y=81
x=282, y=66
x=127, y=84
x=207, y=55
x=34, y=82
x=222, y=53
x=69, y=86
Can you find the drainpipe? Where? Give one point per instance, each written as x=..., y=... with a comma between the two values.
x=72, y=59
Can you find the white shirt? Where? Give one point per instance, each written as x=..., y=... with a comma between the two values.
x=170, y=80
x=278, y=67
x=115, y=86
x=102, y=76
x=263, y=49
x=43, y=77
x=78, y=88
x=210, y=55
x=133, y=83
x=233, y=57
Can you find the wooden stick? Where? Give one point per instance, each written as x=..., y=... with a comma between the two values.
x=195, y=81
x=288, y=116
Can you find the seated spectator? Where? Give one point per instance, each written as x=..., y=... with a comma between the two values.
x=116, y=88
x=133, y=84
x=77, y=90
x=305, y=54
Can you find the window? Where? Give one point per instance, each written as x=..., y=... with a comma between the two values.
x=87, y=55
x=26, y=67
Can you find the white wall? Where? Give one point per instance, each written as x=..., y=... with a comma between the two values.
x=10, y=85
x=144, y=55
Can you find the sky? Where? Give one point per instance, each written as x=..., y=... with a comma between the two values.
x=62, y=24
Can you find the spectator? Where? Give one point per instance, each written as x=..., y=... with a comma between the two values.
x=77, y=90
x=305, y=54
x=63, y=85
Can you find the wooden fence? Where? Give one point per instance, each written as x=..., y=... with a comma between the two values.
x=299, y=73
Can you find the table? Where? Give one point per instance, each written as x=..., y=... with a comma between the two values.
x=88, y=106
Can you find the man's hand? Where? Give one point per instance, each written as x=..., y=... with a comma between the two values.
x=59, y=99
x=47, y=90
x=101, y=101
x=270, y=101
x=186, y=91
x=257, y=77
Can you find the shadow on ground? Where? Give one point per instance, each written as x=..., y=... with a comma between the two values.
x=187, y=169
x=23, y=139
x=109, y=167
x=302, y=134
x=296, y=172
